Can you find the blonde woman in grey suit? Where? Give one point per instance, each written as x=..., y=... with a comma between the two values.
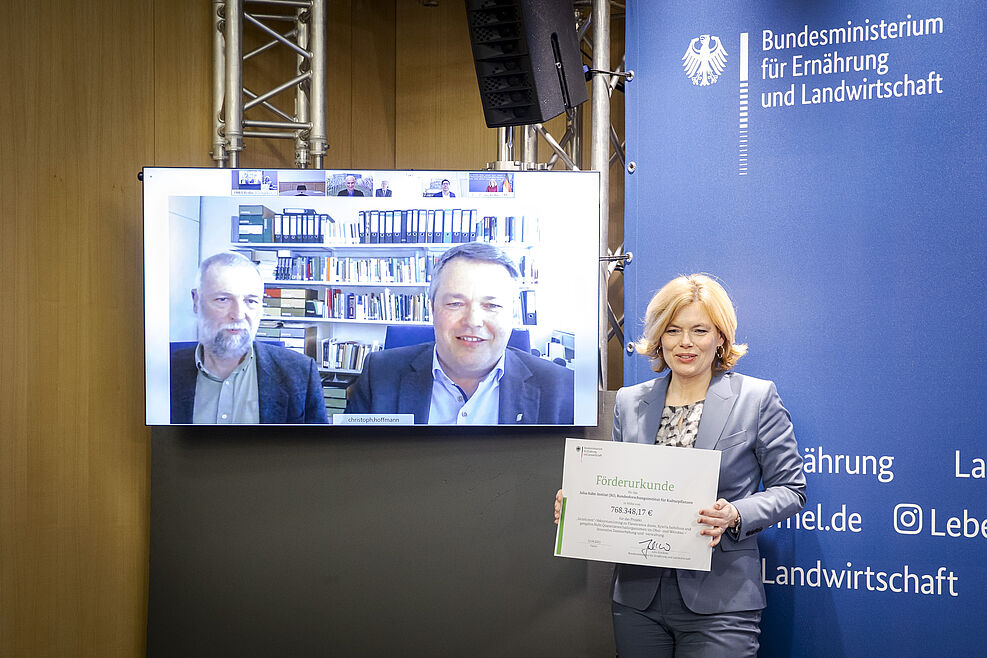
x=690, y=327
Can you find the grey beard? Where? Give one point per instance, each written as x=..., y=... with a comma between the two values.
x=230, y=346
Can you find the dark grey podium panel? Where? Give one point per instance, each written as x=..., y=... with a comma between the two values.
x=294, y=541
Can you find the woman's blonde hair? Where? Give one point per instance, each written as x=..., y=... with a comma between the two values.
x=680, y=292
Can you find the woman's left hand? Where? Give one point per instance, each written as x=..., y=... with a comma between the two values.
x=718, y=519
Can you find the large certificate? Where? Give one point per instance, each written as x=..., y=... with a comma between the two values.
x=636, y=504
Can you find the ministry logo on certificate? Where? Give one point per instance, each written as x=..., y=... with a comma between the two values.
x=633, y=503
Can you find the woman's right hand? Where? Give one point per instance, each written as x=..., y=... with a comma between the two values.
x=558, y=506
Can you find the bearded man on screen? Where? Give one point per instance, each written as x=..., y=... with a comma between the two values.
x=228, y=377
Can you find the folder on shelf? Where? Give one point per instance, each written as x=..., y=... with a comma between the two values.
x=457, y=225
x=430, y=228
x=406, y=228
x=311, y=229
x=472, y=225
x=528, y=310
x=291, y=227
x=278, y=228
x=447, y=225
x=389, y=230
x=324, y=226
x=374, y=226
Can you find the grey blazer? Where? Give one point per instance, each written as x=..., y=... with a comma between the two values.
x=744, y=419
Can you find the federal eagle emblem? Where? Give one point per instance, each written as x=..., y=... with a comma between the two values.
x=704, y=60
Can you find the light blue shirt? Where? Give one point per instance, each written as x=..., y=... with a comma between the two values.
x=450, y=406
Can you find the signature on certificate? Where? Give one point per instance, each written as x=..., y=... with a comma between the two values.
x=650, y=546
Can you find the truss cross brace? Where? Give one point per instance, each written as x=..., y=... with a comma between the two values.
x=233, y=99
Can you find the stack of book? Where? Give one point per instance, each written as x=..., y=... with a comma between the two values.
x=300, y=338
x=266, y=261
x=293, y=303
x=335, y=400
x=255, y=223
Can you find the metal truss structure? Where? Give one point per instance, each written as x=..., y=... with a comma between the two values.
x=305, y=36
x=605, y=81
x=567, y=151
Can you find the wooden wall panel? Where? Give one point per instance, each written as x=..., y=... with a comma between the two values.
x=439, y=116
x=97, y=89
x=182, y=57
x=339, y=84
x=74, y=452
x=373, y=63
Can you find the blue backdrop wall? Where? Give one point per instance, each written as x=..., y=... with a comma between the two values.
x=828, y=166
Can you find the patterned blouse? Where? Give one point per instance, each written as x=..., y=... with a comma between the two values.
x=680, y=425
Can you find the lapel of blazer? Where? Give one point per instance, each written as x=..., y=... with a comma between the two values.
x=720, y=398
x=649, y=408
x=415, y=386
x=270, y=393
x=183, y=380
x=517, y=396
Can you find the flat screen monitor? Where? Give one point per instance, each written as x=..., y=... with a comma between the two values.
x=285, y=297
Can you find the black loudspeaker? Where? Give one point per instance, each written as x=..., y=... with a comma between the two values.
x=528, y=64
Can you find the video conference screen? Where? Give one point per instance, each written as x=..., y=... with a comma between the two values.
x=370, y=297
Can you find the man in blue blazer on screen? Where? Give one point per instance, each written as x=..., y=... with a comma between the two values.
x=468, y=376
x=228, y=378
x=445, y=191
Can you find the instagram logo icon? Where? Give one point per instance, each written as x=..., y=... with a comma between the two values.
x=907, y=519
